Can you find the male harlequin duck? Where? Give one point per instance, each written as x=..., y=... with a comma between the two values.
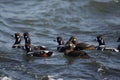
x=37, y=53
x=74, y=53
x=27, y=38
x=81, y=46
x=102, y=46
x=17, y=41
x=61, y=46
x=28, y=41
x=101, y=42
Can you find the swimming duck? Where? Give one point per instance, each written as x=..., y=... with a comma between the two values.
x=28, y=41
x=37, y=53
x=61, y=46
x=101, y=42
x=27, y=38
x=69, y=51
x=81, y=46
x=102, y=45
x=17, y=44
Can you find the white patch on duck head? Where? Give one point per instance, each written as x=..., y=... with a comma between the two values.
x=26, y=36
x=18, y=36
x=74, y=39
x=71, y=44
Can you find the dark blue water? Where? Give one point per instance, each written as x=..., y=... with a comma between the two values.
x=47, y=19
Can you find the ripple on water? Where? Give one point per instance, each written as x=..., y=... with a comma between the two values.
x=45, y=20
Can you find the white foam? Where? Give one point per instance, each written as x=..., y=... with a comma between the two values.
x=53, y=78
x=5, y=78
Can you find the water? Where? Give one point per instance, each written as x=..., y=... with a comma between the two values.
x=47, y=19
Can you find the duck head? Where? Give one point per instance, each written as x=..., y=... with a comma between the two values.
x=69, y=46
x=74, y=40
x=17, y=38
x=27, y=38
x=100, y=40
x=60, y=40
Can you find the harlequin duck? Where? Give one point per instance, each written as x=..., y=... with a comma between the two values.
x=61, y=46
x=81, y=46
x=27, y=38
x=37, y=53
x=102, y=45
x=17, y=41
x=74, y=53
x=28, y=41
x=101, y=42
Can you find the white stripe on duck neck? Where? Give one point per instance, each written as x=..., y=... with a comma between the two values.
x=19, y=39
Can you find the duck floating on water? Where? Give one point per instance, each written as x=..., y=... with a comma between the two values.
x=70, y=51
x=17, y=44
x=37, y=53
x=102, y=45
x=28, y=41
x=82, y=45
x=61, y=45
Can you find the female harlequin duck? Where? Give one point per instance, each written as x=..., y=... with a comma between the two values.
x=37, y=53
x=74, y=53
x=102, y=46
x=17, y=41
x=61, y=46
x=28, y=41
x=81, y=46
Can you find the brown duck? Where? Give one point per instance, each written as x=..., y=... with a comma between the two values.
x=82, y=45
x=74, y=53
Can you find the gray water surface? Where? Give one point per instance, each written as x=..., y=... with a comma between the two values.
x=47, y=19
